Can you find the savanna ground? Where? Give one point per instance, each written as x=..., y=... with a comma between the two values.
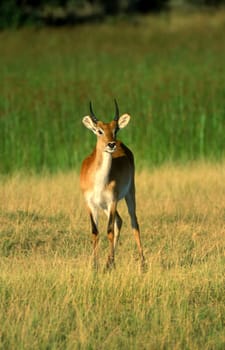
x=168, y=72
x=52, y=299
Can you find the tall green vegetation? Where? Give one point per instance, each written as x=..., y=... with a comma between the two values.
x=166, y=72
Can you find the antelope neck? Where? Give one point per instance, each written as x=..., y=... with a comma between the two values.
x=103, y=163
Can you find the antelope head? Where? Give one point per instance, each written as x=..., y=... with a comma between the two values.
x=106, y=132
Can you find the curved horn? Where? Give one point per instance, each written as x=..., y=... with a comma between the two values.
x=117, y=111
x=92, y=115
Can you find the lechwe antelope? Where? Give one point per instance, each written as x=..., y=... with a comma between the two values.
x=107, y=175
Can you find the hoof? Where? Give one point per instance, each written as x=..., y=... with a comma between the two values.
x=110, y=264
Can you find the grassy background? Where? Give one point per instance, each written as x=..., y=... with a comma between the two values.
x=167, y=72
x=52, y=299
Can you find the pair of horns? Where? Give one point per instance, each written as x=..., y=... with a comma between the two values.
x=93, y=117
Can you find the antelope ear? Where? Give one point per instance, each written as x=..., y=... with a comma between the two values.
x=123, y=121
x=88, y=122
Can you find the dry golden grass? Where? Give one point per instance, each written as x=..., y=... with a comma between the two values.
x=50, y=296
x=173, y=202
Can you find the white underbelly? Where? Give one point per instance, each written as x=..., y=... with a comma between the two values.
x=101, y=199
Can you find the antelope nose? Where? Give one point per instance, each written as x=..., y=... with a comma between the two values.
x=112, y=145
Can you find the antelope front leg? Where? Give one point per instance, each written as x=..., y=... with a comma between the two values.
x=110, y=232
x=94, y=231
x=117, y=228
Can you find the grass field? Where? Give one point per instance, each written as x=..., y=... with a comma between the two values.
x=167, y=72
x=52, y=299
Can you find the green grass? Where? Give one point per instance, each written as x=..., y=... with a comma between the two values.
x=52, y=299
x=167, y=72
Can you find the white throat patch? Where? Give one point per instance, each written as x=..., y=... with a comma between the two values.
x=101, y=176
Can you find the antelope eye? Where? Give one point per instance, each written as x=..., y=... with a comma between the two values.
x=100, y=132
